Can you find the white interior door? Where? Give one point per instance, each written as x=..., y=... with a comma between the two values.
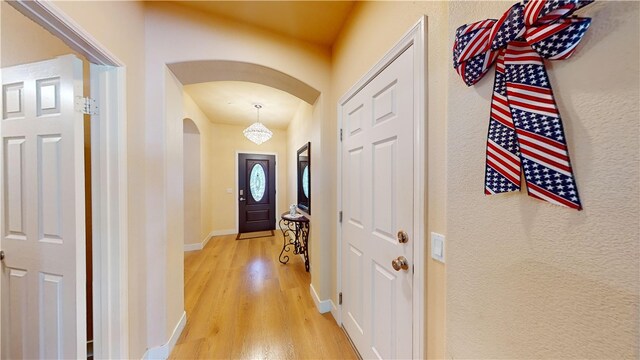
x=378, y=199
x=43, y=227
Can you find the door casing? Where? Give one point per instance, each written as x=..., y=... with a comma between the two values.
x=415, y=37
x=109, y=171
x=238, y=152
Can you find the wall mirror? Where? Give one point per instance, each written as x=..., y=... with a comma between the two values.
x=304, y=178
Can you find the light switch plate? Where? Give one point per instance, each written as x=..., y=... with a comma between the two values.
x=437, y=247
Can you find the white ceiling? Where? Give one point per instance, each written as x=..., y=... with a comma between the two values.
x=232, y=102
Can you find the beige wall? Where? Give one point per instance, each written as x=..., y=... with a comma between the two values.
x=298, y=134
x=192, y=183
x=173, y=266
x=226, y=142
x=320, y=235
x=20, y=34
x=353, y=55
x=526, y=278
x=193, y=112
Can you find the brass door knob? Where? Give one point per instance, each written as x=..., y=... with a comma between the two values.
x=400, y=263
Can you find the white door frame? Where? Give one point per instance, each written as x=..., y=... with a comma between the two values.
x=415, y=37
x=109, y=177
x=276, y=216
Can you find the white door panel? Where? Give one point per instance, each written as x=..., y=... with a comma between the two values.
x=43, y=234
x=377, y=200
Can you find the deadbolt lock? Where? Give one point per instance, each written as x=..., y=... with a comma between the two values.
x=402, y=237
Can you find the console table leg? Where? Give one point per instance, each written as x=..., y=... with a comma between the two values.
x=283, y=258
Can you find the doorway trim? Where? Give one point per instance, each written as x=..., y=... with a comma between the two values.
x=237, y=206
x=109, y=177
x=415, y=37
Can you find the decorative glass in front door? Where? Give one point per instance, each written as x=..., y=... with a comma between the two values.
x=257, y=182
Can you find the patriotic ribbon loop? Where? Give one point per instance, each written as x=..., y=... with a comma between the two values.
x=525, y=129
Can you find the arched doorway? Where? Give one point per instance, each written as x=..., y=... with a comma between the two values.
x=202, y=71
x=177, y=106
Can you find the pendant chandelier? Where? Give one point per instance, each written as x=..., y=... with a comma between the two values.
x=257, y=132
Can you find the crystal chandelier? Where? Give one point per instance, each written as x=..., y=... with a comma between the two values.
x=257, y=132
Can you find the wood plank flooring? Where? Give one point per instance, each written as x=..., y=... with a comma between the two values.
x=241, y=303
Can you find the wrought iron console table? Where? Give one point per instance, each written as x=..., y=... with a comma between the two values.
x=295, y=231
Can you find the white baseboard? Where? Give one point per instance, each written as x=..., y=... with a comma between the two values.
x=206, y=240
x=163, y=352
x=193, y=247
x=198, y=246
x=223, y=232
x=323, y=306
x=203, y=243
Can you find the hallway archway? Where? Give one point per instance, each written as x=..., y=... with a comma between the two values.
x=194, y=72
x=170, y=89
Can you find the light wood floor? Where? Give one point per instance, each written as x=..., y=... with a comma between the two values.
x=242, y=303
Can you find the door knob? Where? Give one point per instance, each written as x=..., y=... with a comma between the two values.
x=400, y=263
x=241, y=199
x=402, y=237
x=1, y=255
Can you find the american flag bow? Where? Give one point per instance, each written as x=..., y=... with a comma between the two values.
x=525, y=129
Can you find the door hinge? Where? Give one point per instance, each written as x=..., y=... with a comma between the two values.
x=340, y=299
x=340, y=217
x=340, y=134
x=86, y=105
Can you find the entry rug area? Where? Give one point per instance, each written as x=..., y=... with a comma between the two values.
x=255, y=235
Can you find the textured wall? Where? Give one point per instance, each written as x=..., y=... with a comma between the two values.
x=526, y=279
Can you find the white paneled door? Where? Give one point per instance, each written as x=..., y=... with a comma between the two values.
x=43, y=226
x=378, y=205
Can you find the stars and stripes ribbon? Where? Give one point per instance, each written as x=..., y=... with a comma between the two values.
x=525, y=130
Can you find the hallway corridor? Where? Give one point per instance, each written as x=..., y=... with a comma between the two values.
x=241, y=303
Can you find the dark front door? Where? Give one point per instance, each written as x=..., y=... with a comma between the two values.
x=257, y=192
